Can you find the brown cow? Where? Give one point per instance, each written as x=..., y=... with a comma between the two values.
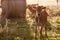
x=40, y=19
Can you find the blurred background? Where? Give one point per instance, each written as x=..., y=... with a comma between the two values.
x=24, y=29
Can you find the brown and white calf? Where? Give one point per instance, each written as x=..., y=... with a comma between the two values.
x=40, y=16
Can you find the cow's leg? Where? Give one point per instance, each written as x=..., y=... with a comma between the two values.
x=41, y=36
x=36, y=32
x=36, y=28
x=46, y=31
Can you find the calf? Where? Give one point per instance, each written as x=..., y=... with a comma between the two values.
x=41, y=20
x=40, y=16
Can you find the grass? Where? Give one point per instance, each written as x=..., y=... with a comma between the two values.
x=23, y=29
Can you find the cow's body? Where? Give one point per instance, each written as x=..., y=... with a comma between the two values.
x=40, y=19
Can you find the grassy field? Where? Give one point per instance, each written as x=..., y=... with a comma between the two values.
x=24, y=29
